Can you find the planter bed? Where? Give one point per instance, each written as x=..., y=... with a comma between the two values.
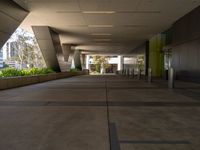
x=13, y=82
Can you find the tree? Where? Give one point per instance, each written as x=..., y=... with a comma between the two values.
x=101, y=63
x=27, y=52
x=140, y=62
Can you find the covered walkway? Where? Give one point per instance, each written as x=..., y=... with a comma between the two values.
x=100, y=113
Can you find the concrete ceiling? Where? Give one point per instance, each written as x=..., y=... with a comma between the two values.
x=110, y=26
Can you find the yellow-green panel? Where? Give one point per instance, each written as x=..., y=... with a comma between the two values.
x=156, y=55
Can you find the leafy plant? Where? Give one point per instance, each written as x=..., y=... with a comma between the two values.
x=140, y=62
x=75, y=70
x=12, y=72
x=101, y=62
x=35, y=71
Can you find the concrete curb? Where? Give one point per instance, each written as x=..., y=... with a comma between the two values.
x=13, y=82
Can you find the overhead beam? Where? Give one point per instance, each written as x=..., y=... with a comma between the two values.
x=11, y=16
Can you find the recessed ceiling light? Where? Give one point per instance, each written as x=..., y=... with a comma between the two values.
x=100, y=26
x=101, y=34
x=99, y=12
x=140, y=11
x=100, y=40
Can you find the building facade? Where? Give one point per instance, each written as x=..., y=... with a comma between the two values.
x=1, y=58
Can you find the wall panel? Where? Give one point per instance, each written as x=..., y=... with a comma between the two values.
x=186, y=46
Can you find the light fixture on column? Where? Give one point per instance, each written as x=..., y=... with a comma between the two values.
x=98, y=12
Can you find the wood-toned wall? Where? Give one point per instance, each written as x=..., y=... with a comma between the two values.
x=186, y=46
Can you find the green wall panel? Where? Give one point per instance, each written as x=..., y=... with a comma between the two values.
x=156, y=55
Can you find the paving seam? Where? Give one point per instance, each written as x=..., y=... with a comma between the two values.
x=108, y=115
x=100, y=103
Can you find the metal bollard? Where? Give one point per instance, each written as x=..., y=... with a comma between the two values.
x=149, y=75
x=124, y=72
x=139, y=74
x=171, y=78
x=127, y=72
x=133, y=73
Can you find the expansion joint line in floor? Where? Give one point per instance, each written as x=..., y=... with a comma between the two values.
x=108, y=115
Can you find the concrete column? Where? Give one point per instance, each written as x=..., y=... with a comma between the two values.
x=120, y=66
x=87, y=61
x=11, y=16
x=49, y=43
x=68, y=55
x=72, y=64
x=77, y=59
x=83, y=61
x=66, y=48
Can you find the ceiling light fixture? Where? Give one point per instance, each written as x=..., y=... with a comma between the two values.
x=100, y=26
x=100, y=40
x=140, y=11
x=98, y=12
x=101, y=34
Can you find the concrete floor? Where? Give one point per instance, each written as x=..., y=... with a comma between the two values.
x=100, y=113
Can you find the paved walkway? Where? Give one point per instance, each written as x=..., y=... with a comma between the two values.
x=100, y=113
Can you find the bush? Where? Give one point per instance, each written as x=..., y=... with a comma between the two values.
x=36, y=71
x=12, y=72
x=74, y=70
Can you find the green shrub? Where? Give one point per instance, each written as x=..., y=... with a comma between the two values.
x=74, y=70
x=12, y=72
x=35, y=71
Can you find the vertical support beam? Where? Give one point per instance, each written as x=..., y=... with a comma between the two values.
x=68, y=56
x=77, y=59
x=83, y=61
x=49, y=43
x=58, y=49
x=11, y=16
x=87, y=62
x=120, y=63
x=45, y=42
x=66, y=48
